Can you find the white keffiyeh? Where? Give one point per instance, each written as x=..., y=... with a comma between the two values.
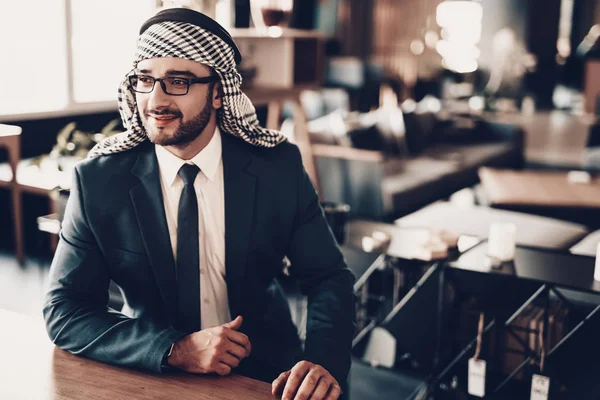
x=237, y=116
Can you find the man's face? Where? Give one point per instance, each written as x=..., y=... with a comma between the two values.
x=176, y=120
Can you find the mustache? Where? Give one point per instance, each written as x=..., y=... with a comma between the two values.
x=163, y=112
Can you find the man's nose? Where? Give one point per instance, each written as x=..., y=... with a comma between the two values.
x=158, y=98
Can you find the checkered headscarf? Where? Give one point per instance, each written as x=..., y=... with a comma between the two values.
x=177, y=39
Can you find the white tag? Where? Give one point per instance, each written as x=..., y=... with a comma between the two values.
x=540, y=387
x=476, y=377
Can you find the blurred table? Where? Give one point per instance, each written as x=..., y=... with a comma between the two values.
x=387, y=274
x=401, y=249
x=33, y=368
x=538, y=188
x=536, y=265
x=545, y=193
x=554, y=138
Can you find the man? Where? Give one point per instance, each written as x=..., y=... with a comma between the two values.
x=191, y=212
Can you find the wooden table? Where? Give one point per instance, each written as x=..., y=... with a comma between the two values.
x=538, y=188
x=33, y=368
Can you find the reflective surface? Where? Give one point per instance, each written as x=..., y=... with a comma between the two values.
x=543, y=266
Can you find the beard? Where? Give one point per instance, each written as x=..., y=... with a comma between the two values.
x=186, y=132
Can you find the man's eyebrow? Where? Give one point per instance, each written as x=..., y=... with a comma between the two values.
x=176, y=72
x=171, y=72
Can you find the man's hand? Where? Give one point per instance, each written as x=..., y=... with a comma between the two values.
x=217, y=349
x=307, y=380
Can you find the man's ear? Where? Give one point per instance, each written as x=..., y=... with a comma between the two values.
x=217, y=97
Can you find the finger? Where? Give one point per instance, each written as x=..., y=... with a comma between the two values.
x=321, y=390
x=236, y=350
x=309, y=383
x=295, y=380
x=240, y=339
x=230, y=360
x=236, y=324
x=334, y=392
x=279, y=383
x=223, y=369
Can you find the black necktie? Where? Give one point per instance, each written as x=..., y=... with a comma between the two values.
x=188, y=254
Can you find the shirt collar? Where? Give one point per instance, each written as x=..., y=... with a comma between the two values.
x=207, y=160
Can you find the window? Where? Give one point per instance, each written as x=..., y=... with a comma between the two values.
x=33, y=56
x=99, y=64
x=62, y=56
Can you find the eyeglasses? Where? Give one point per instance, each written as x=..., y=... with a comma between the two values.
x=171, y=85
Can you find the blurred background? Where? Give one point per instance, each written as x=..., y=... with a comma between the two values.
x=442, y=115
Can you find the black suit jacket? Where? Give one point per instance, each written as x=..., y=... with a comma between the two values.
x=115, y=228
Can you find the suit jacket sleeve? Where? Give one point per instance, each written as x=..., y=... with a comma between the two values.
x=325, y=279
x=75, y=311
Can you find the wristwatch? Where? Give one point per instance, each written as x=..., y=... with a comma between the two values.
x=164, y=364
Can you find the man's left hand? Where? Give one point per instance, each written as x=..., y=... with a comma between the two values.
x=307, y=380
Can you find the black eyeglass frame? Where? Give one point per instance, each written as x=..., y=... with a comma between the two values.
x=190, y=81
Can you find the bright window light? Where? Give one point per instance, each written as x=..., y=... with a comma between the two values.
x=33, y=61
x=103, y=42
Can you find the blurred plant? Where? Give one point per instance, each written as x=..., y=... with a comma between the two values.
x=72, y=142
x=76, y=143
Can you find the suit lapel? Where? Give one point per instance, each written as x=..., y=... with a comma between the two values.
x=239, y=214
x=149, y=208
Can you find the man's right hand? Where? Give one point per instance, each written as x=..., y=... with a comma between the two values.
x=217, y=349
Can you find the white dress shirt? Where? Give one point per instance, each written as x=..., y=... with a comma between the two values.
x=214, y=304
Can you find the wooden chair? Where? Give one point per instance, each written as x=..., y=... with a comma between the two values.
x=10, y=136
x=274, y=98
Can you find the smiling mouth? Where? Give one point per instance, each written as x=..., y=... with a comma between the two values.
x=163, y=117
x=163, y=120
